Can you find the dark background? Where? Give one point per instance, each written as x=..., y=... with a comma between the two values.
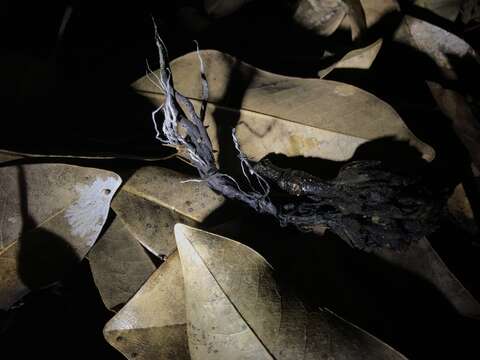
x=70, y=95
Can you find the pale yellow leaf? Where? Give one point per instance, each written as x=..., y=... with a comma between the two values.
x=119, y=265
x=320, y=16
x=356, y=59
x=287, y=115
x=152, y=325
x=50, y=216
x=236, y=309
x=154, y=199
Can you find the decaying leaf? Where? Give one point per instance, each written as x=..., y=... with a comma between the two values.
x=422, y=260
x=235, y=305
x=461, y=210
x=231, y=307
x=322, y=17
x=356, y=18
x=8, y=156
x=119, y=265
x=465, y=123
x=152, y=325
x=470, y=11
x=51, y=214
x=356, y=59
x=221, y=8
x=280, y=114
x=154, y=199
x=376, y=10
x=443, y=48
x=448, y=9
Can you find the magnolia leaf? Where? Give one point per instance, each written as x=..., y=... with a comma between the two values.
x=320, y=16
x=324, y=17
x=439, y=44
x=8, y=156
x=422, y=260
x=152, y=325
x=221, y=8
x=230, y=307
x=461, y=210
x=154, y=199
x=356, y=59
x=465, y=123
x=236, y=309
x=119, y=265
x=470, y=11
x=279, y=114
x=448, y=9
x=375, y=10
x=356, y=18
x=51, y=215
x=442, y=46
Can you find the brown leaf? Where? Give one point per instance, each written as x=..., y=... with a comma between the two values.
x=461, y=210
x=232, y=307
x=51, y=215
x=356, y=16
x=152, y=325
x=236, y=309
x=356, y=59
x=119, y=265
x=448, y=9
x=441, y=46
x=375, y=10
x=280, y=114
x=154, y=199
x=422, y=260
x=8, y=156
x=320, y=16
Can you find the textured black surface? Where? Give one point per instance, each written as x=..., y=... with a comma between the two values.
x=367, y=204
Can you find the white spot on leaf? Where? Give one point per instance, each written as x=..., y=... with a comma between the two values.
x=88, y=213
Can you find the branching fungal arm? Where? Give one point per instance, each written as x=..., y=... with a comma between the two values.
x=366, y=205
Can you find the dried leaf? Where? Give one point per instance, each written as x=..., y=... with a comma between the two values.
x=448, y=9
x=236, y=309
x=8, y=156
x=152, y=325
x=470, y=11
x=376, y=10
x=320, y=16
x=280, y=114
x=442, y=46
x=51, y=215
x=465, y=123
x=356, y=17
x=422, y=260
x=231, y=308
x=119, y=265
x=221, y=8
x=154, y=199
x=356, y=59
x=461, y=210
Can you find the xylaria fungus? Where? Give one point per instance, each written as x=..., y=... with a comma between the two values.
x=367, y=205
